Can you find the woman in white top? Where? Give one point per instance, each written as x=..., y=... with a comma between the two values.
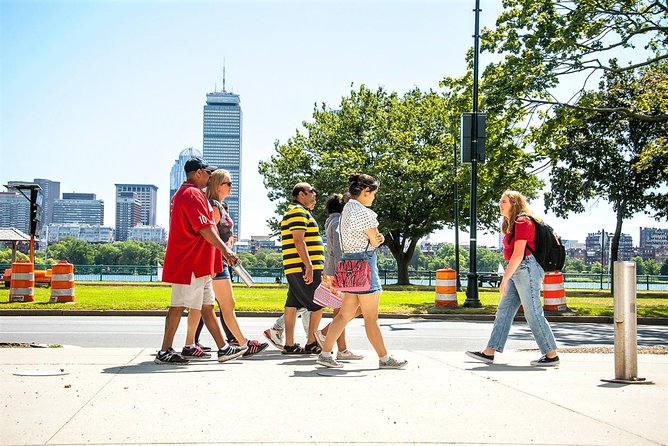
x=359, y=239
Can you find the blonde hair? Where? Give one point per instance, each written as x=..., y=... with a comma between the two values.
x=215, y=180
x=518, y=203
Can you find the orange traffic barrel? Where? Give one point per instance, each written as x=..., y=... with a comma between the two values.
x=22, y=283
x=446, y=288
x=62, y=282
x=554, y=294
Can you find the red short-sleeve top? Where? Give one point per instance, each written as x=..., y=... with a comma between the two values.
x=187, y=252
x=525, y=229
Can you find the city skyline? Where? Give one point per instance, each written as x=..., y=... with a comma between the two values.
x=103, y=93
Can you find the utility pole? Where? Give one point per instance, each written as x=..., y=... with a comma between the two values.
x=476, y=152
x=456, y=197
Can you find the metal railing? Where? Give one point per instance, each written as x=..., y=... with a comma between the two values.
x=152, y=273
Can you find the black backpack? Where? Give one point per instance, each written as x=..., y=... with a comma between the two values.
x=550, y=252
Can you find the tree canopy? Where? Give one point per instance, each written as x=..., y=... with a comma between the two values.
x=546, y=43
x=407, y=143
x=131, y=252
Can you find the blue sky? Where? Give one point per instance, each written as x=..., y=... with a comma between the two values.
x=96, y=93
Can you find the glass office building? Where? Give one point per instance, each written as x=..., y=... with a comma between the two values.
x=147, y=194
x=78, y=208
x=222, y=142
x=177, y=176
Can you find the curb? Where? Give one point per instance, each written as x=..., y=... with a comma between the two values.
x=445, y=317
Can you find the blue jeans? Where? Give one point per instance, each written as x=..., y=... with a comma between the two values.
x=372, y=258
x=523, y=288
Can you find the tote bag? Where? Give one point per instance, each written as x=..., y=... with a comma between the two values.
x=352, y=275
x=326, y=295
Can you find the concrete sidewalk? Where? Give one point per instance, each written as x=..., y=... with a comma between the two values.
x=119, y=396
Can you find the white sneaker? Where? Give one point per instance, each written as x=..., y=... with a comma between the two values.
x=348, y=355
x=328, y=361
x=320, y=338
x=275, y=337
x=392, y=363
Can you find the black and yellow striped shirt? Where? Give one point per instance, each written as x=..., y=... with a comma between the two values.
x=298, y=218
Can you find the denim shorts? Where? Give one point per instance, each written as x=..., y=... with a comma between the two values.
x=224, y=274
x=372, y=258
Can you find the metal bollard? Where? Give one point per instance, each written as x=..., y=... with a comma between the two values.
x=626, y=328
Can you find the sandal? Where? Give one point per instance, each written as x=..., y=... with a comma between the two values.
x=294, y=350
x=312, y=348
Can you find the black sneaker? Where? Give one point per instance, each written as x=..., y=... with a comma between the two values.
x=544, y=361
x=204, y=348
x=195, y=352
x=480, y=356
x=170, y=357
x=230, y=352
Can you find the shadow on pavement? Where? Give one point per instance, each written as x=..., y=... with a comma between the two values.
x=574, y=334
x=151, y=367
x=506, y=368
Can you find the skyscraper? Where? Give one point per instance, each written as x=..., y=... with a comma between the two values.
x=147, y=194
x=51, y=193
x=14, y=211
x=128, y=213
x=222, y=141
x=81, y=208
x=178, y=175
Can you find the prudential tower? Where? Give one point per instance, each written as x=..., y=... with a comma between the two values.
x=222, y=141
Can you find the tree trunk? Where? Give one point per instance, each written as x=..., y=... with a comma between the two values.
x=401, y=254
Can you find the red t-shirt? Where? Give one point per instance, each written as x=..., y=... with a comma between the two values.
x=187, y=251
x=525, y=229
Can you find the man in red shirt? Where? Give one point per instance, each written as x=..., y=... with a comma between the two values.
x=190, y=261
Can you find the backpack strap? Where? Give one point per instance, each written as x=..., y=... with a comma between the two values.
x=512, y=234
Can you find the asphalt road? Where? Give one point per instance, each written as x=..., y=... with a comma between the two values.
x=399, y=334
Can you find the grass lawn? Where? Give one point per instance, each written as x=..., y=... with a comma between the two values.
x=395, y=299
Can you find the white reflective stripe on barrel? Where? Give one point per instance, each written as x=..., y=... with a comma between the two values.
x=23, y=276
x=446, y=296
x=64, y=292
x=443, y=282
x=553, y=286
x=22, y=291
x=69, y=277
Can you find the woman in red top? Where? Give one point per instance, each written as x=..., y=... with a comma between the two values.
x=520, y=284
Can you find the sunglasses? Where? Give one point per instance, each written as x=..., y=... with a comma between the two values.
x=229, y=183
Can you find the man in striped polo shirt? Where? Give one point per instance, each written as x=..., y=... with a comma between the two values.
x=303, y=262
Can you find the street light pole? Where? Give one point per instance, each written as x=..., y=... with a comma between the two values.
x=456, y=194
x=472, y=299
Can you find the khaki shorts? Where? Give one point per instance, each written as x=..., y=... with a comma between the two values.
x=198, y=293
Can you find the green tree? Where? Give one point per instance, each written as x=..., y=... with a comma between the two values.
x=386, y=263
x=488, y=260
x=133, y=253
x=545, y=42
x=107, y=254
x=574, y=265
x=407, y=143
x=664, y=267
x=598, y=155
x=640, y=265
x=248, y=259
x=6, y=256
x=73, y=250
x=597, y=268
x=651, y=267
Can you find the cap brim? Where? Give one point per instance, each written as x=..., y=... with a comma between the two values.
x=211, y=169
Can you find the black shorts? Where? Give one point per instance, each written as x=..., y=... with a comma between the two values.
x=300, y=295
